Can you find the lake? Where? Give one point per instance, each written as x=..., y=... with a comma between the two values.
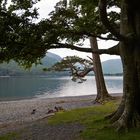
x=12, y=88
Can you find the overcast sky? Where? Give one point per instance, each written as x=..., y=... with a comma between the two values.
x=45, y=7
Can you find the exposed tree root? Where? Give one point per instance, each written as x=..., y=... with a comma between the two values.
x=121, y=126
x=124, y=117
x=103, y=99
x=117, y=114
x=124, y=121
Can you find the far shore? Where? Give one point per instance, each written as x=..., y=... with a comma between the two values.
x=20, y=111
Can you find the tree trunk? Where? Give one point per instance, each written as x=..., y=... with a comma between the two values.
x=102, y=93
x=129, y=110
x=128, y=113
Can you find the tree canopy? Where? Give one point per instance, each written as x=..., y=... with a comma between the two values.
x=26, y=41
x=20, y=37
x=75, y=21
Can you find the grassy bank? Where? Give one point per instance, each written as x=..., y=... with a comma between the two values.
x=96, y=127
x=92, y=118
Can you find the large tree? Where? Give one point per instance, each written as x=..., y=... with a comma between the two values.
x=128, y=112
x=70, y=20
x=126, y=30
x=94, y=64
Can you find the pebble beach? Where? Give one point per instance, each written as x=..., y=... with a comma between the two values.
x=23, y=112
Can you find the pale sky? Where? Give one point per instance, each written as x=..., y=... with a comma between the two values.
x=46, y=6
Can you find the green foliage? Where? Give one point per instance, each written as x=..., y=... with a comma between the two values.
x=76, y=65
x=80, y=19
x=70, y=62
x=26, y=42
x=75, y=20
x=20, y=38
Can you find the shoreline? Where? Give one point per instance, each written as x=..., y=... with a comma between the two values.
x=50, y=98
x=20, y=111
x=45, y=98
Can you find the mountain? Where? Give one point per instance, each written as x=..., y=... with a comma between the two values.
x=50, y=59
x=112, y=66
x=12, y=68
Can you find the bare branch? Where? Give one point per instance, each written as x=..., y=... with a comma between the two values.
x=105, y=21
x=90, y=58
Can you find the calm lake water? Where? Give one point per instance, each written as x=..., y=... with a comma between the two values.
x=44, y=87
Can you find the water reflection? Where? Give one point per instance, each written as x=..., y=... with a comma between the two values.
x=26, y=87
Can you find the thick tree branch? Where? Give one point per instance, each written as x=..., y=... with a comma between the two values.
x=69, y=46
x=85, y=72
x=112, y=51
x=105, y=21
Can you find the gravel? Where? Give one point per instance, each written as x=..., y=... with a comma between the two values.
x=28, y=115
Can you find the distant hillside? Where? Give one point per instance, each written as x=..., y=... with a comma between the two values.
x=112, y=66
x=50, y=59
x=13, y=69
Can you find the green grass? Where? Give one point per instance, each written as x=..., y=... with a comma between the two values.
x=9, y=136
x=93, y=120
x=83, y=115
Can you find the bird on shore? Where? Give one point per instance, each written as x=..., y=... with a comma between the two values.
x=58, y=108
x=33, y=111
